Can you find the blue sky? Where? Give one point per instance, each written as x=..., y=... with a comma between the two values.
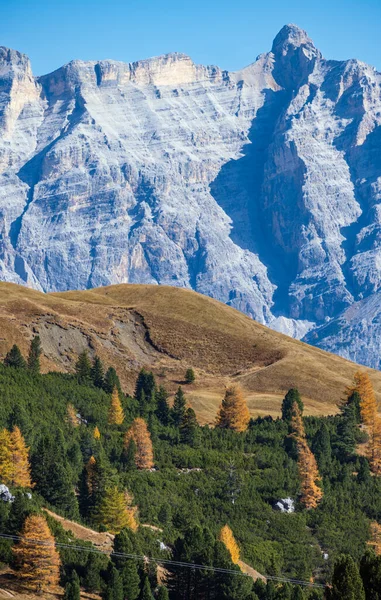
x=229, y=34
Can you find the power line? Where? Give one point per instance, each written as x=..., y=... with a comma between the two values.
x=163, y=561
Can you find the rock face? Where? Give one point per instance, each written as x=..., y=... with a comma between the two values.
x=260, y=188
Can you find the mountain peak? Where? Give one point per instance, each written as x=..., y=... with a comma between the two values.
x=291, y=34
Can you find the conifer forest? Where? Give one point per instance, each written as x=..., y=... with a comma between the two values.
x=246, y=509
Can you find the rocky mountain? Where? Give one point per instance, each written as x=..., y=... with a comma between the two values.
x=260, y=188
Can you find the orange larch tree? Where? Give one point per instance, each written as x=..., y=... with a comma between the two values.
x=233, y=412
x=227, y=538
x=116, y=414
x=311, y=492
x=144, y=450
x=96, y=433
x=20, y=460
x=36, y=557
x=6, y=464
x=90, y=475
x=368, y=406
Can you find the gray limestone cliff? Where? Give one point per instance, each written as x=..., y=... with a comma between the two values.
x=261, y=187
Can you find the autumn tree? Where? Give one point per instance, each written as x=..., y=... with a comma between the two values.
x=34, y=354
x=6, y=464
x=20, y=460
x=36, y=557
x=96, y=433
x=227, y=538
x=72, y=416
x=113, y=512
x=311, y=493
x=233, y=413
x=144, y=451
x=368, y=410
x=115, y=414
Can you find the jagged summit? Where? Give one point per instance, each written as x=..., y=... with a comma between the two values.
x=291, y=34
x=259, y=188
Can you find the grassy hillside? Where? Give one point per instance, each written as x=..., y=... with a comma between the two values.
x=169, y=329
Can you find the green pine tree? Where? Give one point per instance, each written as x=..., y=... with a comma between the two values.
x=111, y=381
x=34, y=354
x=189, y=376
x=73, y=588
x=347, y=430
x=321, y=447
x=162, y=593
x=162, y=407
x=114, y=589
x=178, y=409
x=128, y=456
x=14, y=358
x=288, y=403
x=146, y=593
x=346, y=581
x=189, y=429
x=83, y=368
x=97, y=372
x=370, y=571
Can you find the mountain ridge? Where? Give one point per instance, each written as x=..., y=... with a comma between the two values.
x=259, y=188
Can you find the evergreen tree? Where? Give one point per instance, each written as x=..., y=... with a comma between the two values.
x=162, y=593
x=178, y=409
x=83, y=368
x=72, y=587
x=144, y=450
x=189, y=429
x=346, y=580
x=145, y=392
x=114, y=590
x=21, y=508
x=14, y=358
x=346, y=430
x=189, y=376
x=92, y=579
x=370, y=571
x=35, y=352
x=97, y=373
x=233, y=413
x=162, y=407
x=115, y=414
x=111, y=381
x=38, y=562
x=291, y=397
x=127, y=567
x=146, y=593
x=321, y=447
x=129, y=456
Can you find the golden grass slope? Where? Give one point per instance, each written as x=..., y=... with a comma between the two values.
x=168, y=329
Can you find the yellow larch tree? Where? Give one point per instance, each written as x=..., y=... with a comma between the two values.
x=20, y=460
x=233, y=412
x=227, y=538
x=113, y=512
x=115, y=414
x=368, y=407
x=6, y=463
x=368, y=403
x=36, y=557
x=72, y=417
x=97, y=433
x=311, y=492
x=141, y=436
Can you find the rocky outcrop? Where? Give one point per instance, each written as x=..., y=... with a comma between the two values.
x=260, y=188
